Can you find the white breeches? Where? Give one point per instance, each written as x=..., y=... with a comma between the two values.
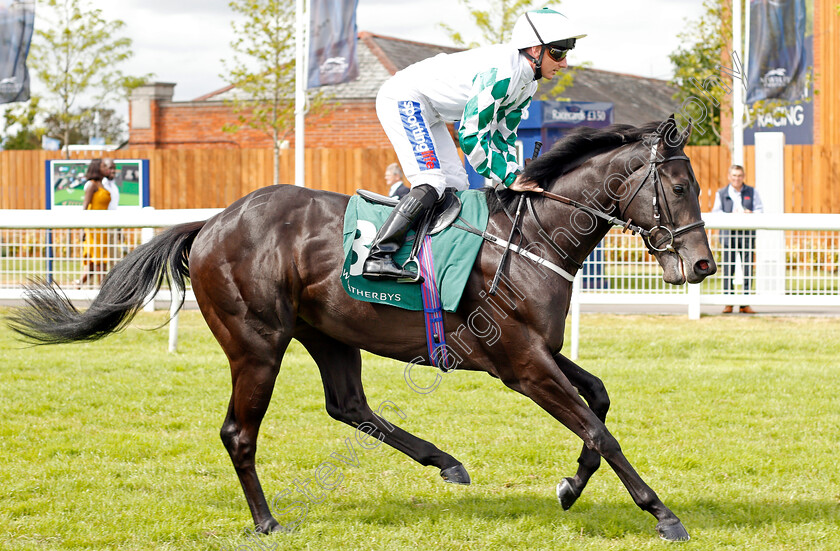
x=420, y=137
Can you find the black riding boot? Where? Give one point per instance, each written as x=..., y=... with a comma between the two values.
x=390, y=237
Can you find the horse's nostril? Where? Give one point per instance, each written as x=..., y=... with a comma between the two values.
x=704, y=267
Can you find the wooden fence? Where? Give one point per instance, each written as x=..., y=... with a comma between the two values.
x=206, y=178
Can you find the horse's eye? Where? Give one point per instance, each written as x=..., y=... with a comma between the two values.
x=679, y=189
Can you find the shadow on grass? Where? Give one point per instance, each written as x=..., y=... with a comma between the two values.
x=607, y=519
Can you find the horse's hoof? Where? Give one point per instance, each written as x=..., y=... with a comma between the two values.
x=456, y=475
x=268, y=526
x=672, y=530
x=566, y=495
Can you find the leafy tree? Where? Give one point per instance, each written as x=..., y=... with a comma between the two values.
x=89, y=123
x=704, y=83
x=495, y=21
x=22, y=117
x=263, y=71
x=76, y=55
x=697, y=71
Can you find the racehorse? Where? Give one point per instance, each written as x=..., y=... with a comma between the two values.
x=267, y=270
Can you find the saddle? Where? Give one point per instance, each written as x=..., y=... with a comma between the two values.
x=444, y=212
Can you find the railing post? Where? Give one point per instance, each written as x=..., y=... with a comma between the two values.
x=575, y=307
x=694, y=301
x=174, y=292
x=146, y=235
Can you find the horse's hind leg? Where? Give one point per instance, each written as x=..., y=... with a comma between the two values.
x=341, y=373
x=253, y=383
x=254, y=347
x=593, y=391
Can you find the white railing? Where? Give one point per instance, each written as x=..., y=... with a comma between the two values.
x=795, y=263
x=52, y=245
x=797, y=259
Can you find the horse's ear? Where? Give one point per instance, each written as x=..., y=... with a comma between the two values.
x=686, y=135
x=670, y=133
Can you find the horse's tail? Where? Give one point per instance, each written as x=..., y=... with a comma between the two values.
x=50, y=318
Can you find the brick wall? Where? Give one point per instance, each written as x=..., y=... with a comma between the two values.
x=350, y=124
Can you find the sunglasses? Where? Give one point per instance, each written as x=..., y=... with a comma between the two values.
x=557, y=54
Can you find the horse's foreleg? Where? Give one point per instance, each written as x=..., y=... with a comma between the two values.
x=544, y=382
x=341, y=373
x=593, y=391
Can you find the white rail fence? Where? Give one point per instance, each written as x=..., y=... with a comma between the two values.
x=795, y=263
x=51, y=245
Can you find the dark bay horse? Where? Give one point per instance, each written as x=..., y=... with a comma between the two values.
x=266, y=271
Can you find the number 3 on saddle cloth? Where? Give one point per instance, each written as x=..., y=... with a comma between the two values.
x=445, y=261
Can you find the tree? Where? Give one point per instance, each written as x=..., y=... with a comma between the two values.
x=263, y=71
x=76, y=54
x=704, y=84
x=22, y=116
x=496, y=23
x=89, y=123
x=697, y=71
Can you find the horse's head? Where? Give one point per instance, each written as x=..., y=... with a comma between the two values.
x=663, y=197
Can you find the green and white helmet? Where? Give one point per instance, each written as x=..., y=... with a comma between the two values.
x=543, y=27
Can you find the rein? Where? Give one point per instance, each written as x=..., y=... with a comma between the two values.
x=661, y=245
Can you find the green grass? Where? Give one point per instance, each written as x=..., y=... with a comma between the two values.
x=734, y=422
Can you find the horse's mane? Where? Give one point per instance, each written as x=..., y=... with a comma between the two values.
x=570, y=152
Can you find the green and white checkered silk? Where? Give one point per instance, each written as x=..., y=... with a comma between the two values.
x=491, y=119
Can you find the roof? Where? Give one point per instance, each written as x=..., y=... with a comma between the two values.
x=637, y=99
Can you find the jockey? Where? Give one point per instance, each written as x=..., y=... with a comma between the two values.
x=487, y=89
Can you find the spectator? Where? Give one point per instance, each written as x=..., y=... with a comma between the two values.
x=394, y=180
x=737, y=197
x=97, y=197
x=109, y=182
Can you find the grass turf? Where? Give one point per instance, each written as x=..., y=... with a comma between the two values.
x=733, y=421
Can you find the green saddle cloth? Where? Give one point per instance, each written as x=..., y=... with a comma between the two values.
x=454, y=253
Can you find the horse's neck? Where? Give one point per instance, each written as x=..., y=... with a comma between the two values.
x=574, y=230
x=581, y=230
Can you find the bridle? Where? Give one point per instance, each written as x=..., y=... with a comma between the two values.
x=667, y=226
x=653, y=175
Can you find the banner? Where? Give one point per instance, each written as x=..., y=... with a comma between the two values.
x=332, y=42
x=17, y=19
x=777, y=67
x=780, y=69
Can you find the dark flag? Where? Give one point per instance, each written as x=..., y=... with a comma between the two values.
x=17, y=19
x=777, y=66
x=332, y=42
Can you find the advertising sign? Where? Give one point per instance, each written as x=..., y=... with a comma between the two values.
x=66, y=183
x=559, y=117
x=780, y=69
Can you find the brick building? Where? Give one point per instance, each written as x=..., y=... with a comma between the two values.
x=158, y=122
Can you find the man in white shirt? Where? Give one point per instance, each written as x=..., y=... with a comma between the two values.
x=109, y=171
x=737, y=197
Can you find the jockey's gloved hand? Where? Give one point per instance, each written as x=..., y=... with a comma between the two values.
x=522, y=184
